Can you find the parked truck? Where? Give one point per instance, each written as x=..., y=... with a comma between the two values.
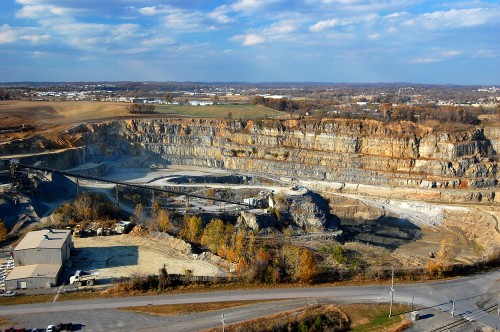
x=83, y=278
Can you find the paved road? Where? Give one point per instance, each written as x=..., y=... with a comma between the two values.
x=476, y=298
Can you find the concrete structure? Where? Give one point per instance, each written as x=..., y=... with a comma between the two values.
x=39, y=259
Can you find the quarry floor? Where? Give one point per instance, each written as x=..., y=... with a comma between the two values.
x=437, y=222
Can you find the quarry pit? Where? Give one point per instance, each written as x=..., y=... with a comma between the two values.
x=401, y=187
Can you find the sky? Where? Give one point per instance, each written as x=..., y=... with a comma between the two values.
x=353, y=41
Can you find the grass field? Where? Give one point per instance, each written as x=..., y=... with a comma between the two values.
x=219, y=111
x=371, y=317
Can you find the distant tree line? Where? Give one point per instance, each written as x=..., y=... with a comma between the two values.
x=141, y=108
x=6, y=95
x=278, y=104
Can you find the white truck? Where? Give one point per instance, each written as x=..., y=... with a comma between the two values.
x=83, y=278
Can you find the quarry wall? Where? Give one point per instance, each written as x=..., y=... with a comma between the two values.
x=370, y=152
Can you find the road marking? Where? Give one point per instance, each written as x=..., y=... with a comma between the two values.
x=57, y=294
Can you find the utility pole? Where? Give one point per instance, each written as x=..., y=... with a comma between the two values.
x=392, y=293
x=116, y=195
x=77, y=187
x=453, y=306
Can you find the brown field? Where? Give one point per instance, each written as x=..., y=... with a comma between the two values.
x=50, y=115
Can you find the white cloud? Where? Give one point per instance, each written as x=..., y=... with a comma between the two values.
x=251, y=5
x=279, y=29
x=322, y=25
x=425, y=60
x=454, y=18
x=184, y=21
x=249, y=39
x=7, y=34
x=35, y=39
x=220, y=15
x=157, y=41
x=40, y=11
x=451, y=53
x=149, y=11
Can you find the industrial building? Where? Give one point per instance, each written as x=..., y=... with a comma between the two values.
x=39, y=259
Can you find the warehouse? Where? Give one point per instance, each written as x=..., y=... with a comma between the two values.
x=39, y=259
x=33, y=276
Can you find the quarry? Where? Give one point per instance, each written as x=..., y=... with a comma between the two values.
x=391, y=193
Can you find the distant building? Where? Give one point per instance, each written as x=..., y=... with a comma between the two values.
x=200, y=103
x=39, y=259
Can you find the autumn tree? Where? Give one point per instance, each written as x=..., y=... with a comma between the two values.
x=169, y=98
x=156, y=207
x=306, y=268
x=164, y=220
x=83, y=206
x=215, y=99
x=139, y=214
x=3, y=230
x=213, y=235
x=442, y=261
x=191, y=228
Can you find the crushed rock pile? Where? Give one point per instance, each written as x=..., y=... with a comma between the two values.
x=139, y=231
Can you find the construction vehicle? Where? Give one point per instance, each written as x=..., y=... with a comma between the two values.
x=83, y=278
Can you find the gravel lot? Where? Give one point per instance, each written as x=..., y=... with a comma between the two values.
x=125, y=255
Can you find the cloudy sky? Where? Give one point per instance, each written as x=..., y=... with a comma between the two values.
x=362, y=41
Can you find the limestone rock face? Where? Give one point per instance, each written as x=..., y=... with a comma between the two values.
x=256, y=221
x=369, y=152
x=306, y=210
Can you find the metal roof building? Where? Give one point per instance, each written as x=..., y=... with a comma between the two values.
x=43, y=247
x=39, y=258
x=33, y=276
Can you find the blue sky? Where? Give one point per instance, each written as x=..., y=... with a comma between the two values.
x=251, y=40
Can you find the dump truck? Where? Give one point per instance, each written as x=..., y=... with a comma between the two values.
x=83, y=278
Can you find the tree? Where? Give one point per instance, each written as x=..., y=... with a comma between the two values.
x=306, y=269
x=169, y=98
x=164, y=220
x=386, y=109
x=83, y=206
x=240, y=244
x=139, y=215
x=215, y=100
x=3, y=230
x=191, y=228
x=442, y=261
x=213, y=235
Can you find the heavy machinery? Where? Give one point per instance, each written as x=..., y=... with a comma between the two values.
x=83, y=278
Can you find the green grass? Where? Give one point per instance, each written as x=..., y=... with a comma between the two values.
x=369, y=317
x=219, y=111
